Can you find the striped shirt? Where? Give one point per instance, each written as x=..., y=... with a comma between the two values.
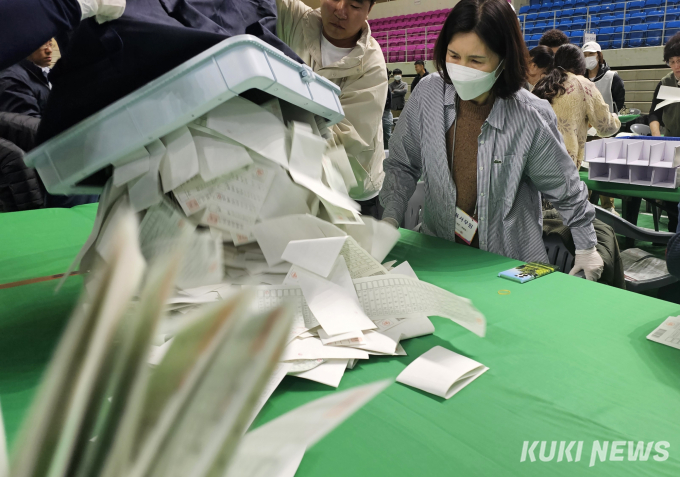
x=520, y=155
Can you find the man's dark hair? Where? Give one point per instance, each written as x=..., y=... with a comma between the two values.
x=568, y=58
x=541, y=56
x=396, y=71
x=419, y=62
x=553, y=39
x=672, y=48
x=495, y=23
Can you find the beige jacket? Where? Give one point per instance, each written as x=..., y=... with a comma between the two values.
x=578, y=106
x=362, y=78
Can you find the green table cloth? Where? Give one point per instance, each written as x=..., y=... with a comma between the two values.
x=568, y=362
x=630, y=190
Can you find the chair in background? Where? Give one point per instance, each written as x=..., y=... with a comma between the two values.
x=625, y=228
x=638, y=35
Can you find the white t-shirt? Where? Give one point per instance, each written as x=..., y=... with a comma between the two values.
x=330, y=53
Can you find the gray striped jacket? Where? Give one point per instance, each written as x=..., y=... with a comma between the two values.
x=520, y=153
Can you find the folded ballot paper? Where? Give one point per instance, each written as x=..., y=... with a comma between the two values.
x=667, y=333
x=441, y=372
x=102, y=411
x=260, y=202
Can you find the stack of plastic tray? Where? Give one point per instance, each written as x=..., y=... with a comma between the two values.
x=645, y=162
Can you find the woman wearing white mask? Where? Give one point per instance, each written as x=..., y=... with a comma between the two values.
x=485, y=147
x=608, y=82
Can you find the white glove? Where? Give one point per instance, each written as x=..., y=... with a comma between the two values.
x=590, y=262
x=105, y=10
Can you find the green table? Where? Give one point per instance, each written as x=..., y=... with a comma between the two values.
x=568, y=361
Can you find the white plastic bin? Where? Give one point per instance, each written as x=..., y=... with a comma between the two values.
x=218, y=74
x=641, y=175
x=598, y=172
x=665, y=177
x=619, y=173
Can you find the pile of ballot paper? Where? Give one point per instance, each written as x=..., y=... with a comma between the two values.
x=101, y=410
x=265, y=201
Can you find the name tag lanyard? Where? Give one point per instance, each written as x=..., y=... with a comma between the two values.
x=466, y=226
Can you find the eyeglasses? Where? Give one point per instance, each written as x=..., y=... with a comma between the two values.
x=673, y=62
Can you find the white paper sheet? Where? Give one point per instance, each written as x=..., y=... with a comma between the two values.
x=671, y=95
x=315, y=255
x=265, y=451
x=180, y=162
x=397, y=296
x=340, y=161
x=146, y=190
x=217, y=157
x=273, y=235
x=376, y=342
x=410, y=328
x=306, y=169
x=271, y=296
x=441, y=372
x=405, y=269
x=158, y=353
x=375, y=236
x=313, y=348
x=254, y=127
x=329, y=373
x=338, y=215
x=667, y=333
x=359, y=262
x=131, y=167
x=285, y=197
x=333, y=300
x=272, y=383
x=328, y=339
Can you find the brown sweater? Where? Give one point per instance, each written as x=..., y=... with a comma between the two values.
x=470, y=119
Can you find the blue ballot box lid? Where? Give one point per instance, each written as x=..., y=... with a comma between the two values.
x=71, y=162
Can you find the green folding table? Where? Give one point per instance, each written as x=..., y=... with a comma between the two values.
x=568, y=361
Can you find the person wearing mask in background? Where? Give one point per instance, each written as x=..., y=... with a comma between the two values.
x=387, y=118
x=489, y=148
x=398, y=88
x=576, y=102
x=669, y=115
x=608, y=82
x=335, y=41
x=610, y=86
x=24, y=87
x=421, y=72
x=540, y=61
x=553, y=39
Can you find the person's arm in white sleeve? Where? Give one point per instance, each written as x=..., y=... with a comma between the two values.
x=289, y=16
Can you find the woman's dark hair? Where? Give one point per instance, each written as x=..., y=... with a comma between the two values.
x=542, y=56
x=568, y=58
x=672, y=48
x=496, y=24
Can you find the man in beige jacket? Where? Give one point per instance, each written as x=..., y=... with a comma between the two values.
x=335, y=41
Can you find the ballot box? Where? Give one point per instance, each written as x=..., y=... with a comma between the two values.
x=78, y=160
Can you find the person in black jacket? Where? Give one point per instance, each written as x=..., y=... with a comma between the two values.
x=421, y=72
x=24, y=87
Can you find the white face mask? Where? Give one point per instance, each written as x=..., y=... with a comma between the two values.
x=591, y=62
x=531, y=86
x=471, y=83
x=397, y=77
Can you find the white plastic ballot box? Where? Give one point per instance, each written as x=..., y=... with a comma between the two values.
x=243, y=64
